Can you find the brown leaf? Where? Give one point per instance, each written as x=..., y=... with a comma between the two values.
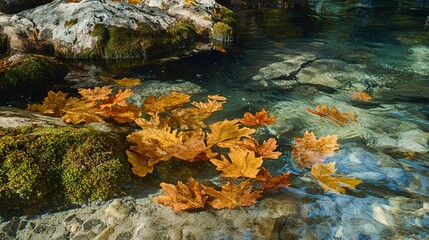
x=232, y=196
x=174, y=99
x=324, y=173
x=186, y=118
x=362, y=96
x=243, y=164
x=259, y=119
x=118, y=100
x=182, y=197
x=266, y=150
x=273, y=183
x=52, y=104
x=308, y=150
x=128, y=82
x=333, y=114
x=122, y=114
x=227, y=134
x=188, y=150
x=140, y=165
x=96, y=94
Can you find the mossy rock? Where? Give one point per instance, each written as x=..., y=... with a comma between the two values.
x=222, y=32
x=15, y=6
x=31, y=74
x=51, y=167
x=224, y=15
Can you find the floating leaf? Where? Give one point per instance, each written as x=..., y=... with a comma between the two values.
x=96, y=94
x=259, y=119
x=227, y=134
x=128, y=82
x=324, y=173
x=232, y=196
x=140, y=165
x=266, y=150
x=118, y=100
x=134, y=1
x=308, y=150
x=243, y=164
x=188, y=150
x=125, y=114
x=362, y=96
x=273, y=183
x=333, y=114
x=182, y=197
x=78, y=111
x=52, y=104
x=174, y=99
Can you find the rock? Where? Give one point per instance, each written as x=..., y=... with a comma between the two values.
x=14, y=117
x=413, y=141
x=108, y=29
x=105, y=234
x=419, y=60
x=357, y=56
x=118, y=210
x=14, y=6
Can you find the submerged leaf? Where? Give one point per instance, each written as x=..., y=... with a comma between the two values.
x=128, y=82
x=182, y=197
x=232, y=196
x=227, y=134
x=96, y=94
x=52, y=104
x=140, y=165
x=308, y=150
x=118, y=100
x=333, y=114
x=273, y=183
x=78, y=111
x=266, y=150
x=243, y=164
x=259, y=119
x=174, y=99
x=324, y=173
x=362, y=96
x=188, y=150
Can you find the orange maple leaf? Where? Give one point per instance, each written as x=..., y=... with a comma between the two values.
x=134, y=1
x=333, y=114
x=266, y=150
x=232, y=196
x=188, y=150
x=308, y=150
x=122, y=114
x=118, y=100
x=98, y=93
x=243, y=164
x=227, y=133
x=52, y=104
x=128, y=82
x=140, y=165
x=273, y=183
x=259, y=119
x=153, y=104
x=77, y=111
x=362, y=96
x=324, y=173
x=181, y=196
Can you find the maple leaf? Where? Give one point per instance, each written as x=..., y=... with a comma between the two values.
x=333, y=114
x=308, y=150
x=188, y=3
x=186, y=118
x=153, y=104
x=96, y=94
x=182, y=197
x=232, y=196
x=77, y=111
x=243, y=164
x=227, y=133
x=118, y=100
x=217, y=97
x=134, y=1
x=153, y=122
x=266, y=150
x=140, y=166
x=52, y=104
x=128, y=82
x=324, y=173
x=273, y=183
x=122, y=114
x=362, y=96
x=187, y=150
x=259, y=119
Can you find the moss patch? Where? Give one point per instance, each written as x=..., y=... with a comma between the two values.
x=50, y=167
x=222, y=32
x=70, y=22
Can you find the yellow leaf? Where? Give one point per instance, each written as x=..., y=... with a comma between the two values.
x=140, y=165
x=324, y=173
x=174, y=99
x=78, y=111
x=227, y=134
x=243, y=164
x=362, y=96
x=182, y=197
x=52, y=104
x=134, y=1
x=128, y=82
x=333, y=114
x=117, y=100
x=232, y=196
x=259, y=119
x=98, y=93
x=266, y=150
x=187, y=150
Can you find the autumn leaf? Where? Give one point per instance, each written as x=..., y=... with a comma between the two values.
x=259, y=119
x=217, y=97
x=52, y=104
x=273, y=183
x=182, y=197
x=188, y=3
x=324, y=173
x=140, y=166
x=2, y=133
x=174, y=99
x=134, y=1
x=96, y=94
x=129, y=82
x=153, y=122
x=187, y=150
x=77, y=111
x=227, y=133
x=333, y=114
x=243, y=164
x=308, y=150
x=362, y=96
x=232, y=196
x=118, y=100
x=186, y=118
x=122, y=114
x=265, y=150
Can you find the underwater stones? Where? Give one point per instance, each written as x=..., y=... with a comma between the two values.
x=357, y=56
x=47, y=166
x=413, y=141
x=410, y=38
x=419, y=59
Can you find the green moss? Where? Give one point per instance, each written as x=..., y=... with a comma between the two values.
x=70, y=22
x=224, y=15
x=45, y=167
x=182, y=33
x=222, y=32
x=3, y=43
x=35, y=72
x=125, y=42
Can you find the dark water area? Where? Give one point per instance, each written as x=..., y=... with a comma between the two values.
x=333, y=49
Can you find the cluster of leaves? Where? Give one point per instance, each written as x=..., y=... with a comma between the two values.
x=361, y=96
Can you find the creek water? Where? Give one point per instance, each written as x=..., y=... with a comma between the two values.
x=332, y=50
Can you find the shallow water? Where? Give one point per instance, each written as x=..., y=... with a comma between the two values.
x=380, y=47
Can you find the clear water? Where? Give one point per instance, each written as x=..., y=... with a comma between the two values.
x=381, y=47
